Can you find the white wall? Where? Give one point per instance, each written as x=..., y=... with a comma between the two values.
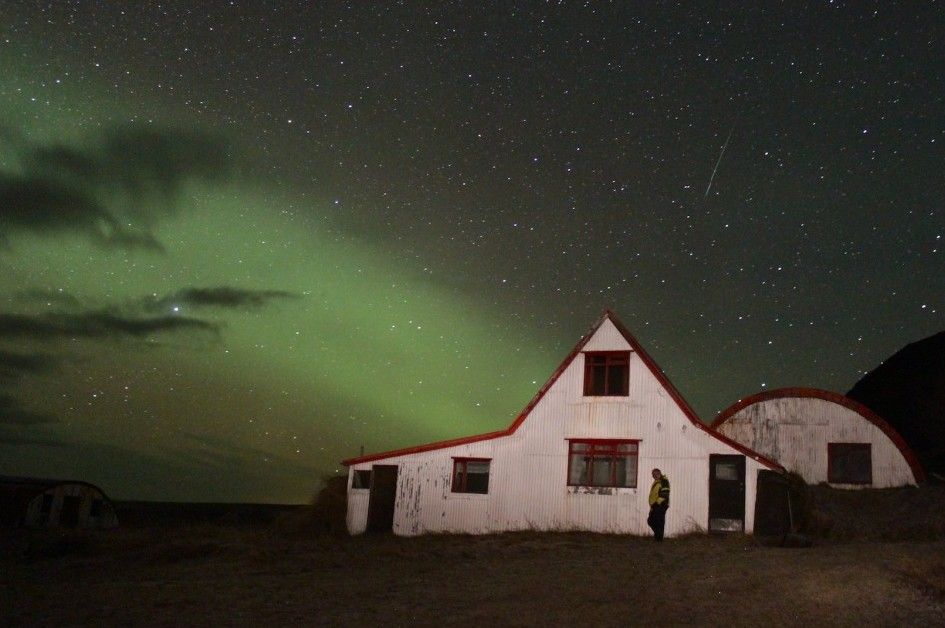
x=795, y=431
x=528, y=474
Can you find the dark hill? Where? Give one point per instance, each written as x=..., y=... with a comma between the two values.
x=908, y=390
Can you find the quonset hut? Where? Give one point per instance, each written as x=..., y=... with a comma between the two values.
x=823, y=437
x=578, y=457
x=39, y=503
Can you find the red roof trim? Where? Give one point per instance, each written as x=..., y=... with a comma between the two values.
x=826, y=395
x=635, y=346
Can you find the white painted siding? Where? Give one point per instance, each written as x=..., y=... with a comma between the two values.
x=528, y=474
x=795, y=431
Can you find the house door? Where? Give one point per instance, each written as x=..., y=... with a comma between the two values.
x=383, y=497
x=726, y=493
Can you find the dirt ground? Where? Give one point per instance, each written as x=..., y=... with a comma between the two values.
x=274, y=574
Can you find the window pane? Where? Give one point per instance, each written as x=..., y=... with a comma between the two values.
x=598, y=380
x=578, y=470
x=477, y=466
x=579, y=446
x=477, y=482
x=630, y=470
x=620, y=471
x=726, y=471
x=602, y=471
x=362, y=479
x=850, y=463
x=458, y=476
x=617, y=380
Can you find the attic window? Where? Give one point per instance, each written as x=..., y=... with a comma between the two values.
x=471, y=475
x=603, y=463
x=607, y=374
x=849, y=463
x=361, y=478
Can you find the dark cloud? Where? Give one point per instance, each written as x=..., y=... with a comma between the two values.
x=12, y=413
x=14, y=365
x=97, y=324
x=60, y=298
x=113, y=188
x=224, y=297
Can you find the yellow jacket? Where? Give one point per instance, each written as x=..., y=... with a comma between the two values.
x=659, y=492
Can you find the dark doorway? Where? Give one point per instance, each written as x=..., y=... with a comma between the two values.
x=383, y=497
x=69, y=515
x=772, y=505
x=726, y=493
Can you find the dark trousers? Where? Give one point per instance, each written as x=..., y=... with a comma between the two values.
x=657, y=520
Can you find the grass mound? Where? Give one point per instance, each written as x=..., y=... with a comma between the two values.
x=893, y=514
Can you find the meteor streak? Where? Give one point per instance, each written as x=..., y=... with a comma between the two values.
x=719, y=160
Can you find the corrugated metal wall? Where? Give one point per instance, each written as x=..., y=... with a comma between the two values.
x=795, y=432
x=528, y=475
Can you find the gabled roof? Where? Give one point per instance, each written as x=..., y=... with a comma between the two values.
x=826, y=395
x=635, y=346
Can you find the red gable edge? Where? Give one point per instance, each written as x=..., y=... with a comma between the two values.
x=826, y=395
x=681, y=401
x=657, y=372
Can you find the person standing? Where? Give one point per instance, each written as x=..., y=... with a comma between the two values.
x=659, y=504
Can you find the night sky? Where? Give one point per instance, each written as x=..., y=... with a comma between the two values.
x=239, y=242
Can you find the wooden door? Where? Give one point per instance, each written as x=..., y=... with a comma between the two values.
x=383, y=498
x=726, y=493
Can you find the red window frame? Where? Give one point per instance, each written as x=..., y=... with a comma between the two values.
x=605, y=448
x=833, y=447
x=463, y=463
x=608, y=360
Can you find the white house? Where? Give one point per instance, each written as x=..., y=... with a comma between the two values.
x=578, y=457
x=823, y=437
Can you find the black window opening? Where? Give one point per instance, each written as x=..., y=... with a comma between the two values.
x=604, y=463
x=95, y=510
x=607, y=374
x=849, y=463
x=471, y=475
x=361, y=478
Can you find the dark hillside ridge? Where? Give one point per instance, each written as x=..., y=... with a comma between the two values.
x=908, y=390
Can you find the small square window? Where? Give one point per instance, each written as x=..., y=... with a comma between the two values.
x=607, y=374
x=361, y=479
x=471, y=475
x=849, y=463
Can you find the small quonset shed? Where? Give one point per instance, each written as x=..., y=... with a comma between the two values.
x=823, y=437
x=42, y=503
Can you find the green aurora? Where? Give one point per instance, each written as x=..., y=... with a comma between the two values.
x=369, y=350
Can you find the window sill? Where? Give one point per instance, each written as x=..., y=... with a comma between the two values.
x=470, y=496
x=601, y=490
